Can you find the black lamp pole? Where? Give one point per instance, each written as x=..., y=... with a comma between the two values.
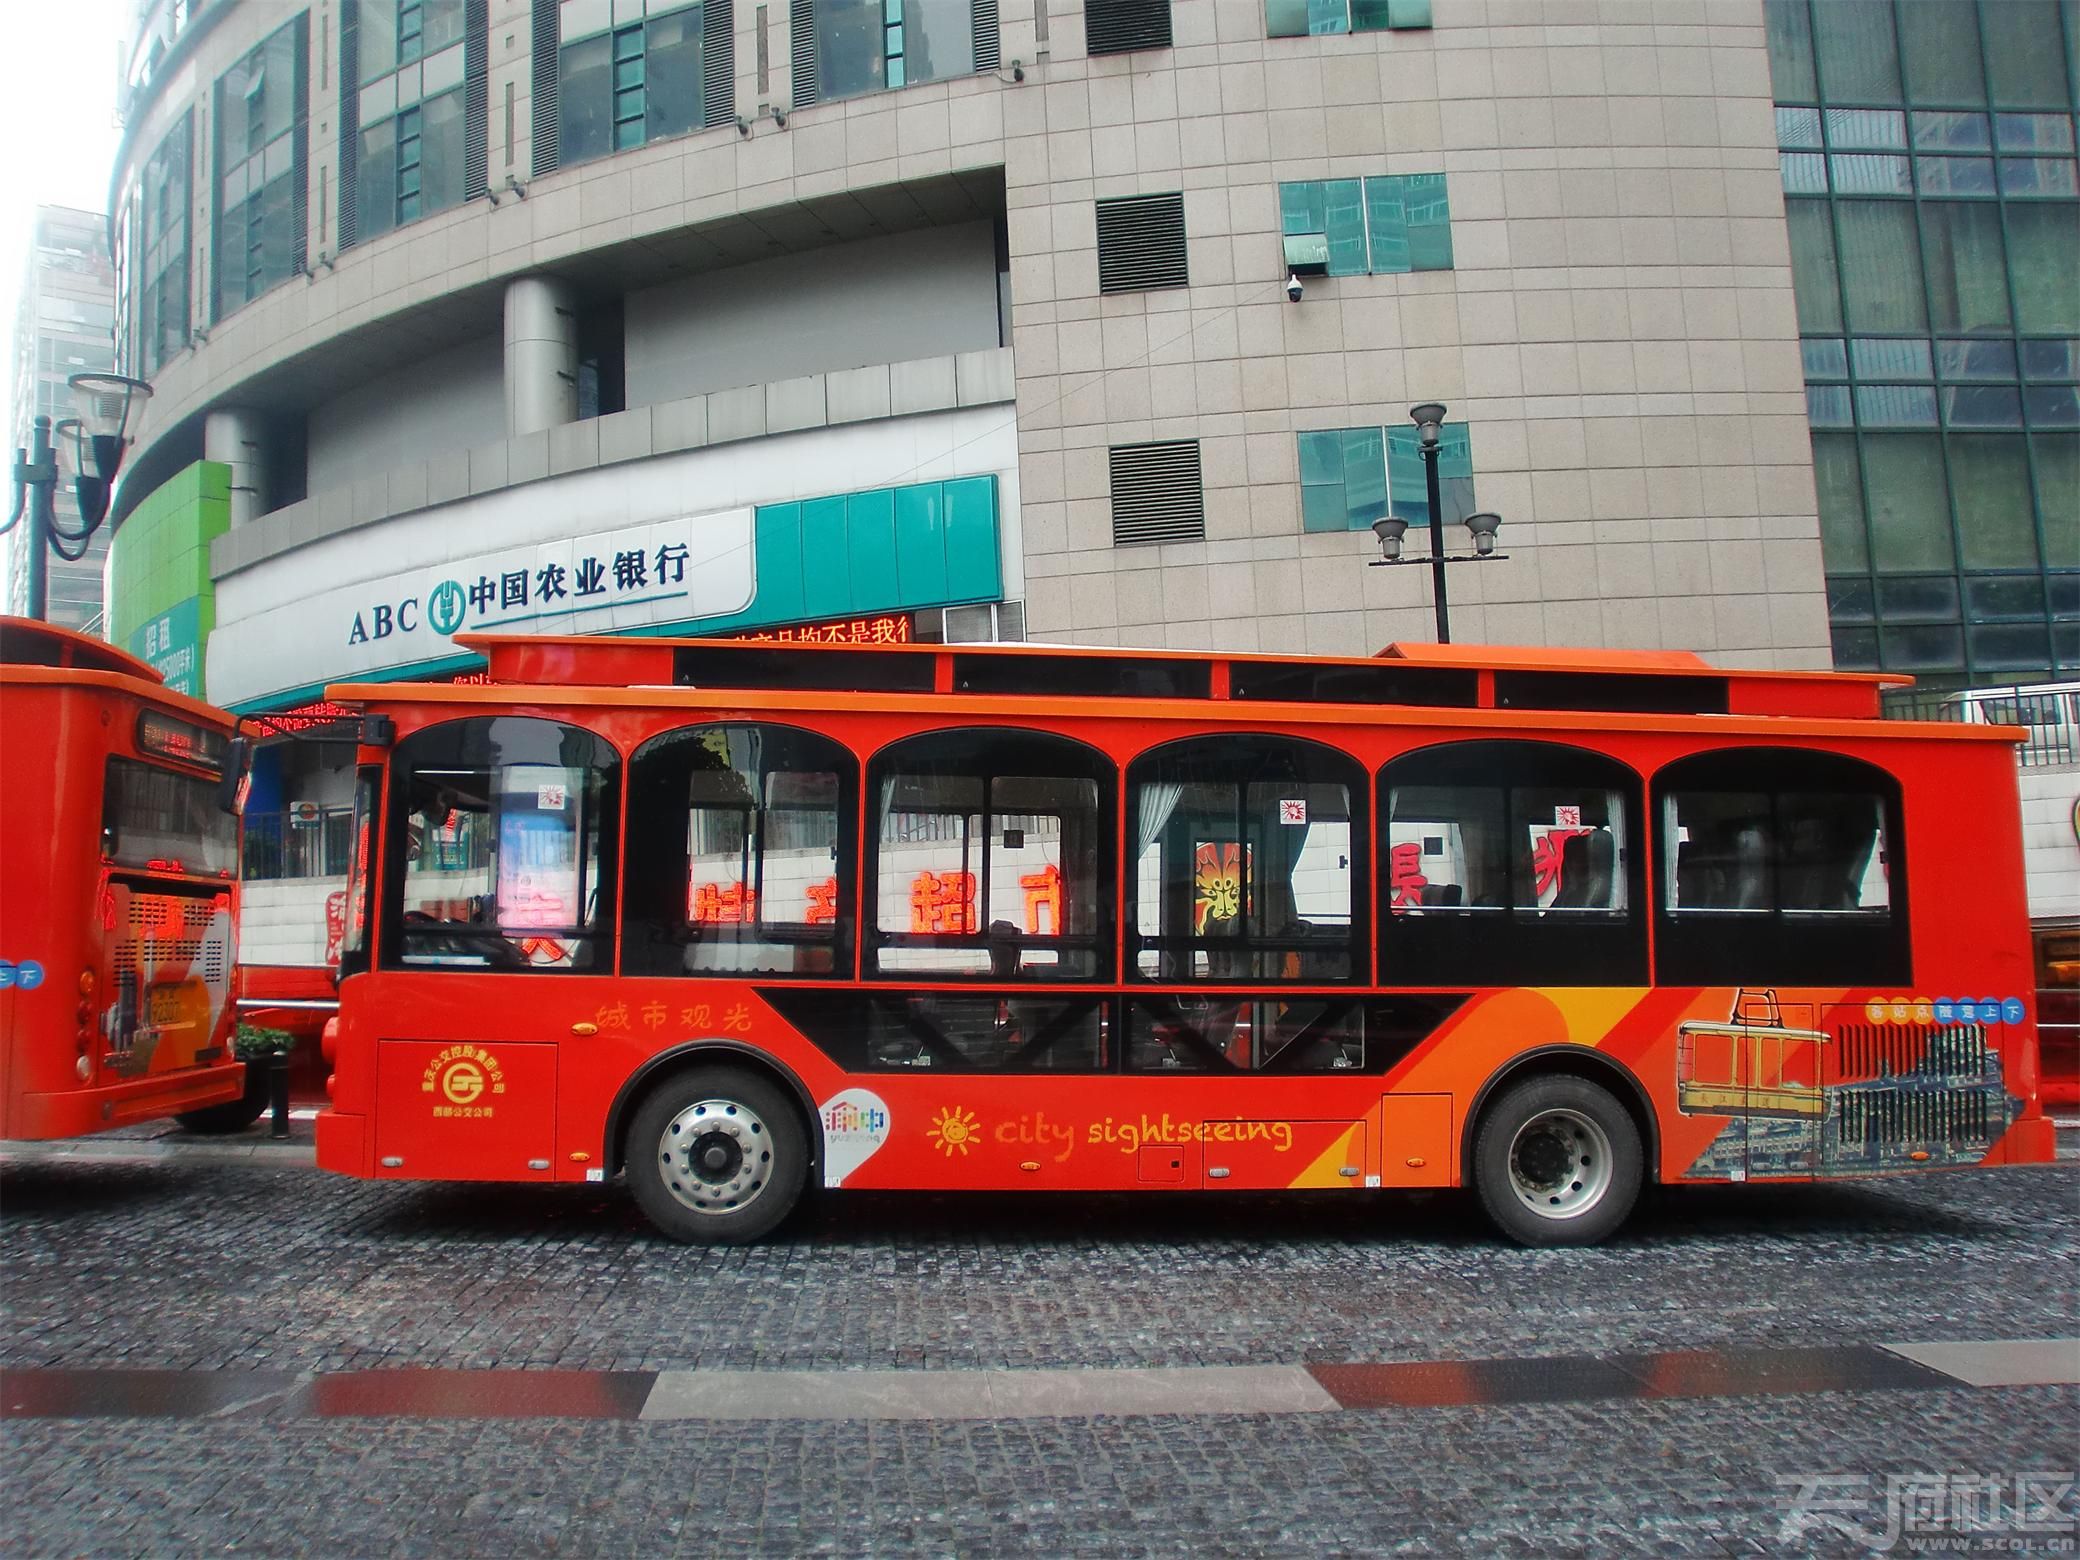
x=1428, y=432
x=35, y=483
x=90, y=447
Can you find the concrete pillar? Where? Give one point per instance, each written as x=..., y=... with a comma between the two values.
x=541, y=354
x=237, y=437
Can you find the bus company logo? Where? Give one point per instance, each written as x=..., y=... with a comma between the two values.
x=444, y=607
x=855, y=1125
x=462, y=1079
x=954, y=1131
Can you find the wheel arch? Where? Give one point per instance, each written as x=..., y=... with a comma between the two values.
x=695, y=1053
x=1567, y=1061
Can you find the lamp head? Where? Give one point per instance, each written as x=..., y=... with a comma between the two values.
x=1428, y=418
x=1390, y=529
x=1483, y=526
x=107, y=403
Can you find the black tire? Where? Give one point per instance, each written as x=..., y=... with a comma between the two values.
x=232, y=1115
x=760, y=1156
x=1557, y=1162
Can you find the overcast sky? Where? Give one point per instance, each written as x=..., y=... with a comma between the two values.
x=58, y=135
x=58, y=64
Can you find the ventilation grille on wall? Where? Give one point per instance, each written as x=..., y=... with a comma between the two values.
x=1122, y=26
x=1156, y=494
x=718, y=65
x=476, y=96
x=982, y=15
x=1000, y=622
x=547, y=22
x=1141, y=243
x=801, y=41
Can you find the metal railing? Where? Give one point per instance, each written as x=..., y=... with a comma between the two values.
x=2049, y=712
x=281, y=845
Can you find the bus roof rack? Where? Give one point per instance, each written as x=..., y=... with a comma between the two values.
x=1511, y=677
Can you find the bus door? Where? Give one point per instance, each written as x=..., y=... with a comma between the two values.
x=493, y=912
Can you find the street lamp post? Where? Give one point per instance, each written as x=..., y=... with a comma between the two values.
x=1391, y=529
x=87, y=448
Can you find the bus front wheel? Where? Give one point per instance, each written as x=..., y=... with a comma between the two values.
x=716, y=1156
x=1557, y=1162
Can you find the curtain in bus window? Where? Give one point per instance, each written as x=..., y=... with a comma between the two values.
x=757, y=877
x=502, y=839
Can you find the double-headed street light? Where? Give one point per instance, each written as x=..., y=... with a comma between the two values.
x=1391, y=529
x=88, y=451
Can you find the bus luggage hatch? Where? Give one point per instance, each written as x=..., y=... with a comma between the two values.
x=1273, y=1155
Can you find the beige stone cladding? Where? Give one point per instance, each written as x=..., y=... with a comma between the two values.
x=1617, y=328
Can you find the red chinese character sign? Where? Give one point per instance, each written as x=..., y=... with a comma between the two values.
x=942, y=902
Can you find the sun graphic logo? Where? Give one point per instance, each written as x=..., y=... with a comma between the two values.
x=955, y=1131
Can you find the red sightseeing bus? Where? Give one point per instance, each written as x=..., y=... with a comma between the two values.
x=118, y=894
x=736, y=918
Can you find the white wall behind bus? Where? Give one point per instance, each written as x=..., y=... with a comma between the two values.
x=454, y=400
x=2051, y=841
x=931, y=293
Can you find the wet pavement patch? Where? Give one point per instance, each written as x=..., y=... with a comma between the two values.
x=424, y=1394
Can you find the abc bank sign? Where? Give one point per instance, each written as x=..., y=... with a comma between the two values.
x=676, y=571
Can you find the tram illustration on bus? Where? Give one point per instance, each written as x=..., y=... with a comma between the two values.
x=736, y=919
x=118, y=896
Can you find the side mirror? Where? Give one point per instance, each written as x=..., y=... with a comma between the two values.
x=237, y=778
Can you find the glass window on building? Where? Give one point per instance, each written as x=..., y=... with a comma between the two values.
x=1384, y=225
x=160, y=266
x=1317, y=18
x=1928, y=153
x=407, y=155
x=261, y=105
x=846, y=48
x=624, y=86
x=1350, y=477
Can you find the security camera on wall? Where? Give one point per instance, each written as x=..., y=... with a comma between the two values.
x=1293, y=288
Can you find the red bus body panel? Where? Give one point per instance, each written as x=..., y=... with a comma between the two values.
x=1730, y=1084
x=70, y=923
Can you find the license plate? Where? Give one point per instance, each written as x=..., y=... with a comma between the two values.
x=168, y=1010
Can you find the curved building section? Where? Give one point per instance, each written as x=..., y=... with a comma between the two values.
x=963, y=318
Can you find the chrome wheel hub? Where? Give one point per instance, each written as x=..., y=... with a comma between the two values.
x=1560, y=1164
x=716, y=1155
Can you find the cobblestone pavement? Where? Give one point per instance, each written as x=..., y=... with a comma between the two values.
x=250, y=1267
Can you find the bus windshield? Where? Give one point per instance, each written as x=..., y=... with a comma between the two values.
x=152, y=816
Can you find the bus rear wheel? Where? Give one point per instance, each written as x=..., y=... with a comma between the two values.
x=716, y=1157
x=1557, y=1162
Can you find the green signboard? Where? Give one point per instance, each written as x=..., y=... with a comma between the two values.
x=161, y=601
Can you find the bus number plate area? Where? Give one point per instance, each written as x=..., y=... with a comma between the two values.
x=465, y=1110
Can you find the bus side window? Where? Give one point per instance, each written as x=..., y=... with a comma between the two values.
x=501, y=848
x=1778, y=865
x=741, y=853
x=1510, y=863
x=1249, y=865
x=992, y=857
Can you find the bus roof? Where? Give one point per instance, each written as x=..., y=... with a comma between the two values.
x=28, y=642
x=1409, y=675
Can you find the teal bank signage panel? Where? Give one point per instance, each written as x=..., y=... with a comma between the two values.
x=171, y=644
